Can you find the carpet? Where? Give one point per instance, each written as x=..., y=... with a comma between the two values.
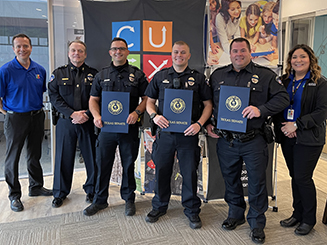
x=111, y=226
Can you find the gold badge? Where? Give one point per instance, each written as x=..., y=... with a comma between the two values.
x=131, y=77
x=90, y=77
x=255, y=79
x=191, y=81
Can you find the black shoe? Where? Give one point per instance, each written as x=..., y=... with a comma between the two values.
x=303, y=229
x=195, y=221
x=16, y=205
x=40, y=192
x=231, y=223
x=130, y=208
x=94, y=208
x=58, y=201
x=290, y=222
x=258, y=235
x=89, y=197
x=154, y=215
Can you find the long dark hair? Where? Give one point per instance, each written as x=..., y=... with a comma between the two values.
x=314, y=68
x=224, y=9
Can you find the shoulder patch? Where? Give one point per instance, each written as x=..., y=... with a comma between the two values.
x=52, y=77
x=279, y=80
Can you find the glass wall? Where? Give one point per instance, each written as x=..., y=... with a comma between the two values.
x=31, y=18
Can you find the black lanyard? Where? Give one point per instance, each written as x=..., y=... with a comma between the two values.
x=294, y=91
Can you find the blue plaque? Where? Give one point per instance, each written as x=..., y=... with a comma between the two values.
x=177, y=109
x=232, y=101
x=115, y=111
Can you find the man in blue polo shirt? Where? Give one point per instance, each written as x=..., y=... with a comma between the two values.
x=22, y=83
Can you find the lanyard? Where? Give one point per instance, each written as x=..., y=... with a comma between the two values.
x=295, y=89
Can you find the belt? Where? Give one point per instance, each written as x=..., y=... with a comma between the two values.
x=29, y=113
x=241, y=137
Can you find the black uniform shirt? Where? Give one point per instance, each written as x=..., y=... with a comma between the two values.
x=189, y=80
x=266, y=91
x=62, y=88
x=126, y=78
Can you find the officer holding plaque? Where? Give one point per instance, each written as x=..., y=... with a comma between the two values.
x=267, y=97
x=118, y=77
x=179, y=77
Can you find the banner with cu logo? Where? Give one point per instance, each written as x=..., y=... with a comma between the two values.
x=149, y=27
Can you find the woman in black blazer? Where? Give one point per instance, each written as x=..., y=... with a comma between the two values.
x=301, y=130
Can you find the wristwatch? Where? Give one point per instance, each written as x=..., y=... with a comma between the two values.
x=153, y=115
x=138, y=112
x=295, y=125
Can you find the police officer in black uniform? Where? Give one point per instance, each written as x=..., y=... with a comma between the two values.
x=69, y=91
x=179, y=76
x=267, y=97
x=119, y=76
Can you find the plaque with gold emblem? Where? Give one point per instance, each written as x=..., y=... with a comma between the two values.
x=115, y=111
x=232, y=101
x=178, y=109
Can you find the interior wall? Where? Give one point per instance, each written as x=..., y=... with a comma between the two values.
x=297, y=7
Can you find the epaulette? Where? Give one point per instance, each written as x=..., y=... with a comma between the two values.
x=104, y=68
x=166, y=68
x=194, y=71
x=261, y=66
x=220, y=68
x=62, y=67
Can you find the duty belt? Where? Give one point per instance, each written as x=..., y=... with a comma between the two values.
x=241, y=137
x=30, y=113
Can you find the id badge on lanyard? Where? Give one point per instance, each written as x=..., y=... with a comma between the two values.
x=290, y=114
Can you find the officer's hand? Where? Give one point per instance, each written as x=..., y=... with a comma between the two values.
x=251, y=112
x=132, y=118
x=209, y=129
x=98, y=122
x=193, y=129
x=161, y=121
x=79, y=117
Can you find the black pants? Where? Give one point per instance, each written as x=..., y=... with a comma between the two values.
x=188, y=155
x=18, y=128
x=301, y=161
x=255, y=155
x=105, y=155
x=67, y=135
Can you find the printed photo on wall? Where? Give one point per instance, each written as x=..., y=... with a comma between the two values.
x=257, y=21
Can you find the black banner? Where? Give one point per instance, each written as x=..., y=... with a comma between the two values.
x=150, y=28
x=216, y=185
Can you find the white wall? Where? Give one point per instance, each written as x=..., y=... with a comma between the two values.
x=297, y=7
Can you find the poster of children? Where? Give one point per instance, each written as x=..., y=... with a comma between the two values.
x=257, y=21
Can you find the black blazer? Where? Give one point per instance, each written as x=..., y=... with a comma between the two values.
x=312, y=120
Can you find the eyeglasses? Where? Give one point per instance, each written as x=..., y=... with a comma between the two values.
x=118, y=48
